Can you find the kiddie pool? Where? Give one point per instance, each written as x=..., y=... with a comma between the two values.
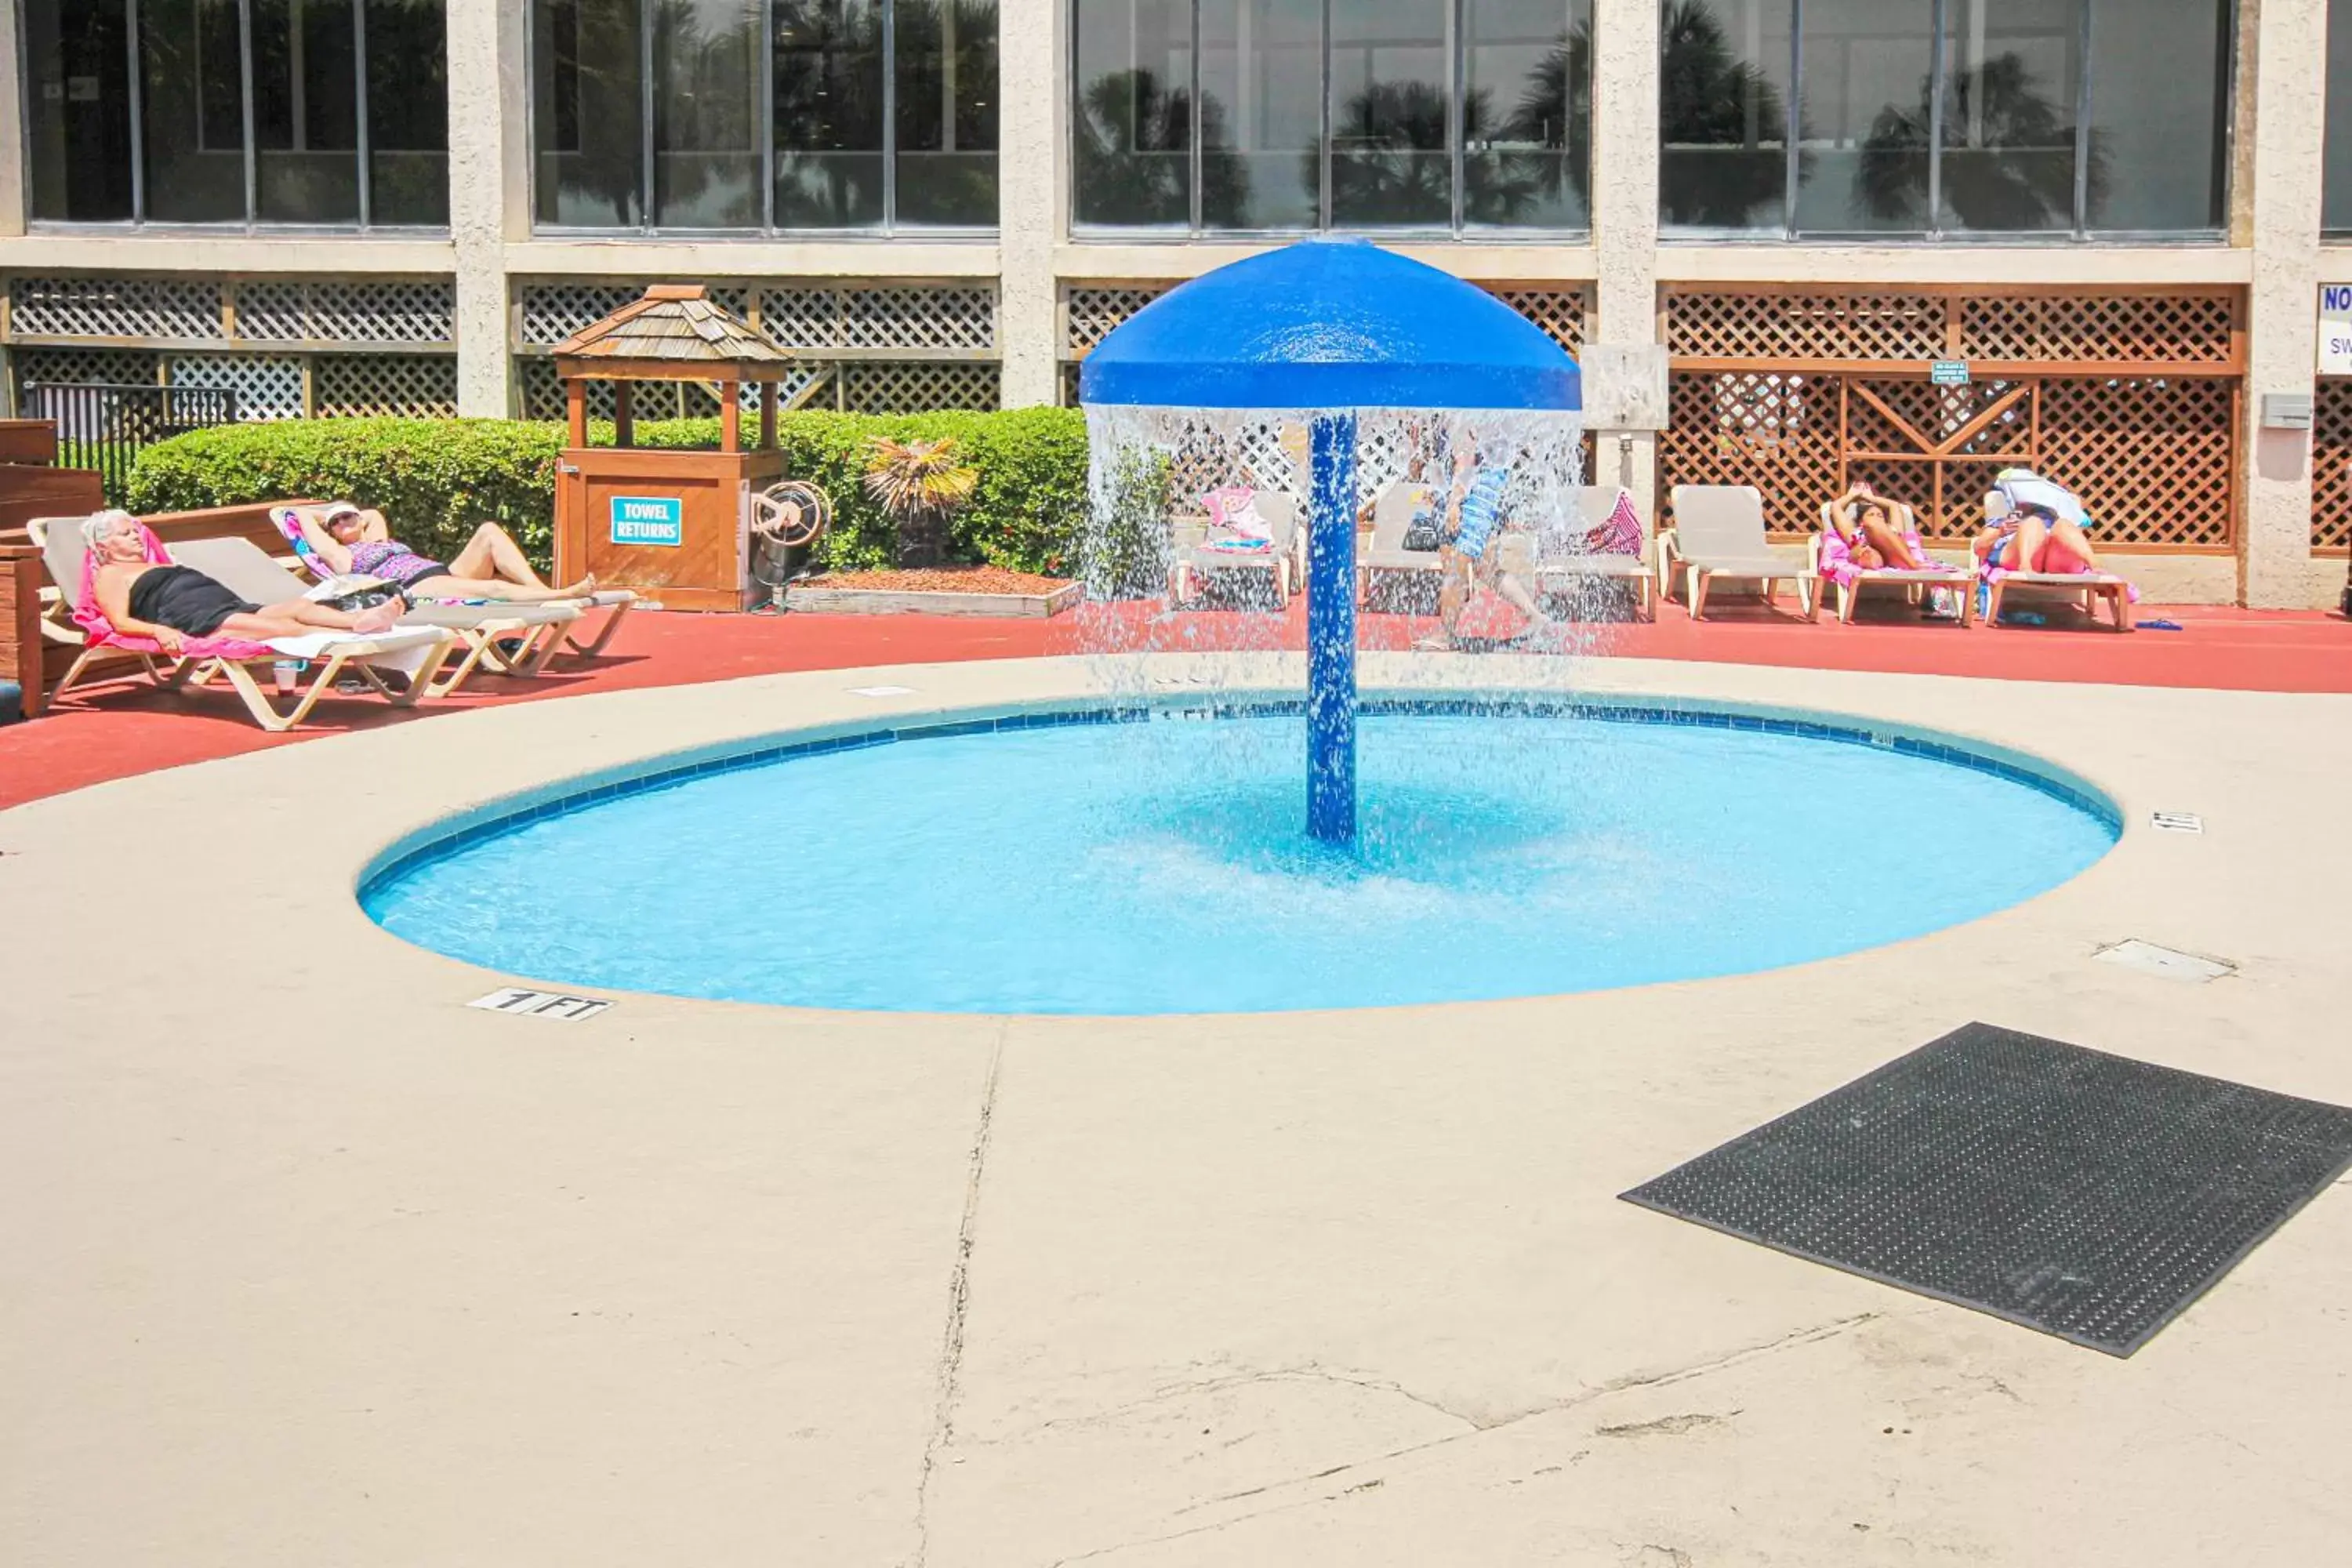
x=1095, y=859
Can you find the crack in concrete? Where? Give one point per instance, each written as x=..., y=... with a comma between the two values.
x=1650, y=1380
x=1666, y=1425
x=951, y=1364
x=1166, y=1393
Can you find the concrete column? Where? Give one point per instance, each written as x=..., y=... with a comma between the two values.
x=1030, y=183
x=2289, y=79
x=14, y=198
x=489, y=64
x=1625, y=209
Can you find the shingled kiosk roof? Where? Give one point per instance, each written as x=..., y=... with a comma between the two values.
x=674, y=324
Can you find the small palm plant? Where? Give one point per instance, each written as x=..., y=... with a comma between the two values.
x=920, y=484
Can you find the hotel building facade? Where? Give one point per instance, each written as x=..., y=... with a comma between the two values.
x=1905, y=241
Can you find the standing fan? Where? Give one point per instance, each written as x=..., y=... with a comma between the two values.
x=787, y=519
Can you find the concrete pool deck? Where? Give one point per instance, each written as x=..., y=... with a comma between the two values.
x=305, y=1261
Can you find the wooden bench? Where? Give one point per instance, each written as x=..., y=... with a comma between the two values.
x=29, y=492
x=23, y=649
x=31, y=441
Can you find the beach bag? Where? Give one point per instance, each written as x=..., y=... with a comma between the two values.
x=1620, y=533
x=354, y=592
x=360, y=599
x=1421, y=534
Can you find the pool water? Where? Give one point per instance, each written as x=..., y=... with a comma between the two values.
x=1158, y=868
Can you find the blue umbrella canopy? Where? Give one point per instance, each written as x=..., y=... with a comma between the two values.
x=1329, y=324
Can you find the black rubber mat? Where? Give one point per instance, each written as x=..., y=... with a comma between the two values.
x=2087, y=1195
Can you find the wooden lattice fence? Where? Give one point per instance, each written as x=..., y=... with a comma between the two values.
x=2331, y=466
x=1091, y=311
x=291, y=347
x=2129, y=397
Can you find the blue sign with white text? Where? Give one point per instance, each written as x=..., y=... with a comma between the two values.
x=649, y=520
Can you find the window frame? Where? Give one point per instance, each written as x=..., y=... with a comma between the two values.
x=1457, y=229
x=767, y=227
x=2078, y=232
x=251, y=223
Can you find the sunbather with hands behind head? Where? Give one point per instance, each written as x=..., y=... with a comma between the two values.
x=490, y=566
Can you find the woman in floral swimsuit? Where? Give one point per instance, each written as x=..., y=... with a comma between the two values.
x=490, y=566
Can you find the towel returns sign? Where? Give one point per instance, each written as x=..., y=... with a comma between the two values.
x=2335, y=329
x=649, y=520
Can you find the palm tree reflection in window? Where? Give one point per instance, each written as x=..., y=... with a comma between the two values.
x=1130, y=163
x=1545, y=151
x=2016, y=175
x=1722, y=123
x=828, y=115
x=1388, y=163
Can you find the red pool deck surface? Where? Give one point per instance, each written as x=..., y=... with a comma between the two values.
x=115, y=731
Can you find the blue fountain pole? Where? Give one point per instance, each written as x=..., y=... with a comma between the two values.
x=1331, y=633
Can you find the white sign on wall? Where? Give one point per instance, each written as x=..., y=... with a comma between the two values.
x=1624, y=386
x=2335, y=329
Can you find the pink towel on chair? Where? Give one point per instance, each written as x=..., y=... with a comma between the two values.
x=1839, y=567
x=101, y=633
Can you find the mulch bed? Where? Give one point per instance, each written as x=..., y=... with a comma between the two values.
x=941, y=580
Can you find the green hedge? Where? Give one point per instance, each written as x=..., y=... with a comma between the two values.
x=435, y=478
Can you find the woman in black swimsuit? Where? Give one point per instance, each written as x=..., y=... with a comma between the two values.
x=171, y=604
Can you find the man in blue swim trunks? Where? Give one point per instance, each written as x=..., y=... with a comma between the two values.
x=1474, y=517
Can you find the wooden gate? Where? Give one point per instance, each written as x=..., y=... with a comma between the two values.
x=2130, y=398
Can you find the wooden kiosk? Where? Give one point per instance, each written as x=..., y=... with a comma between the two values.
x=673, y=525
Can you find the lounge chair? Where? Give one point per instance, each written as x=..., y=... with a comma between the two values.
x=1561, y=570
x=1719, y=533
x=1912, y=583
x=538, y=629
x=619, y=601
x=417, y=652
x=1385, y=550
x=2020, y=487
x=1192, y=558
x=2088, y=588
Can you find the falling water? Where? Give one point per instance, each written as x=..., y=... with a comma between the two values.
x=1149, y=470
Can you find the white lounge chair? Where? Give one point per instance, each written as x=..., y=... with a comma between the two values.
x=1192, y=558
x=1561, y=570
x=1719, y=533
x=2090, y=589
x=416, y=652
x=249, y=572
x=1384, y=550
x=619, y=601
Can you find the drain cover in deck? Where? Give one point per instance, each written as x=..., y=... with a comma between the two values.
x=2087, y=1195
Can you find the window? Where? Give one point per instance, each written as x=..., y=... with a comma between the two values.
x=2335, y=203
x=308, y=113
x=764, y=116
x=1257, y=116
x=1944, y=118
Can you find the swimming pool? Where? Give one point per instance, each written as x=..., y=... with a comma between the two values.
x=1060, y=862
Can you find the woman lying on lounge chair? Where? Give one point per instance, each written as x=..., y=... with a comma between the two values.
x=490, y=566
x=1878, y=531
x=171, y=604
x=2032, y=538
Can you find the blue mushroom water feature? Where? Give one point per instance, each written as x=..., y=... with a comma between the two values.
x=1340, y=336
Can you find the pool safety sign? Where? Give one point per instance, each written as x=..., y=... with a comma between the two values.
x=2335, y=329
x=649, y=520
x=1948, y=372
